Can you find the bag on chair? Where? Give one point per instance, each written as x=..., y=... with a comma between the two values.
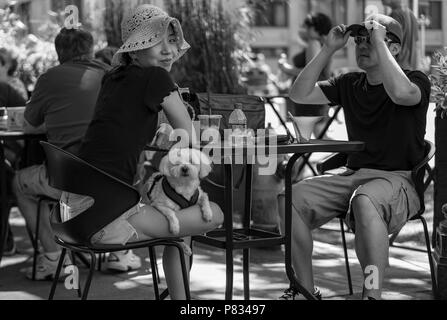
x=223, y=104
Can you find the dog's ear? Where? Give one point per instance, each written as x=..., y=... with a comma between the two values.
x=164, y=166
x=205, y=165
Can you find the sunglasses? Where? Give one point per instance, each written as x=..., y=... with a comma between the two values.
x=360, y=39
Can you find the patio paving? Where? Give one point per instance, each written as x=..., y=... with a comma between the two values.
x=407, y=278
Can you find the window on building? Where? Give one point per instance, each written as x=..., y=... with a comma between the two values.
x=336, y=9
x=272, y=14
x=432, y=10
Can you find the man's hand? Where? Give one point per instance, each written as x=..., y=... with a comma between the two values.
x=337, y=38
x=376, y=31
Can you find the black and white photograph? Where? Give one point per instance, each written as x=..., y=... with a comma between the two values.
x=226, y=154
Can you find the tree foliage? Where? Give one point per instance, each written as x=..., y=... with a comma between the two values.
x=219, y=36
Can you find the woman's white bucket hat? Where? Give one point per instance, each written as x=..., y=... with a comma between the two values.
x=144, y=27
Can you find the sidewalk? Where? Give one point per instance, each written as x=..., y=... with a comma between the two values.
x=407, y=278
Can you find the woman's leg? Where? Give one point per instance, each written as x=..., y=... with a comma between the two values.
x=150, y=223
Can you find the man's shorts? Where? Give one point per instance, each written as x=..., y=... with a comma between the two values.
x=33, y=182
x=119, y=231
x=320, y=199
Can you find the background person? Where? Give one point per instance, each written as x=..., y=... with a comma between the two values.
x=61, y=106
x=315, y=28
x=408, y=57
x=8, y=68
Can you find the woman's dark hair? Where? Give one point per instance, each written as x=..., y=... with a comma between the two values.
x=7, y=58
x=73, y=43
x=321, y=23
x=126, y=58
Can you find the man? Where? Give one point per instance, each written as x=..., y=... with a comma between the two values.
x=408, y=57
x=386, y=108
x=62, y=106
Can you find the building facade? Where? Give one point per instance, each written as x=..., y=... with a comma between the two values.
x=279, y=32
x=276, y=31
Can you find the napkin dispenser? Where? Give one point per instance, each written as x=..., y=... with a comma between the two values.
x=15, y=119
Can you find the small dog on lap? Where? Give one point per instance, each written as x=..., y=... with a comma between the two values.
x=177, y=186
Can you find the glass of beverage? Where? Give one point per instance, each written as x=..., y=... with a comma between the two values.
x=209, y=122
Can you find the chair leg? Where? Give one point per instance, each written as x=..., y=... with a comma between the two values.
x=58, y=272
x=36, y=238
x=184, y=271
x=73, y=261
x=100, y=257
x=90, y=275
x=345, y=249
x=430, y=258
x=153, y=260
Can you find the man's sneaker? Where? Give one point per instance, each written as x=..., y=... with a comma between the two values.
x=291, y=293
x=46, y=267
x=123, y=261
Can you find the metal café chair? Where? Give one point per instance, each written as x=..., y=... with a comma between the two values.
x=112, y=197
x=421, y=175
x=305, y=159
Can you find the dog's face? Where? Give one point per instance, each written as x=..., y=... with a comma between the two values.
x=185, y=163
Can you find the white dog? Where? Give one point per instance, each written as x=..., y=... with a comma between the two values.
x=177, y=185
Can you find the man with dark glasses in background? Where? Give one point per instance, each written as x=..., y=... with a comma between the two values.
x=385, y=107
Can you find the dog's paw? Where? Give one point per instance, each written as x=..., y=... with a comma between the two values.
x=186, y=249
x=174, y=227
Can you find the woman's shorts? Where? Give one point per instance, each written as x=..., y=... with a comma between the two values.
x=320, y=199
x=119, y=231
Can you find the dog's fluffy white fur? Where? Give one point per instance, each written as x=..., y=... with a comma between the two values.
x=183, y=168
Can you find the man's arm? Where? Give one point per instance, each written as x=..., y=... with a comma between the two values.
x=30, y=129
x=397, y=85
x=305, y=89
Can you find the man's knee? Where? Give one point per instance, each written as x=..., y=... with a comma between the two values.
x=301, y=196
x=363, y=209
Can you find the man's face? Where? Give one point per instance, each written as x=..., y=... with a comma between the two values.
x=366, y=56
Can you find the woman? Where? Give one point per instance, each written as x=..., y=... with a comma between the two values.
x=125, y=121
x=315, y=28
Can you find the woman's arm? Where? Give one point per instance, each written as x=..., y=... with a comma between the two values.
x=178, y=116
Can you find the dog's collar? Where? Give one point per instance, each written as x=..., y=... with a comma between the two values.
x=178, y=198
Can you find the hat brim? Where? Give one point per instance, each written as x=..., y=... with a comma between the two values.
x=128, y=47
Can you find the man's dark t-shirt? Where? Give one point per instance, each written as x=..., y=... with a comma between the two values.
x=393, y=134
x=125, y=118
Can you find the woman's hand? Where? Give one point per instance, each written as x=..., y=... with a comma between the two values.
x=337, y=38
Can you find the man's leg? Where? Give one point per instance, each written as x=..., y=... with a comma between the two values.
x=315, y=201
x=380, y=206
x=371, y=245
x=302, y=246
x=28, y=208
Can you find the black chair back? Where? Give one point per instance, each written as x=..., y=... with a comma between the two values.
x=112, y=197
x=422, y=175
